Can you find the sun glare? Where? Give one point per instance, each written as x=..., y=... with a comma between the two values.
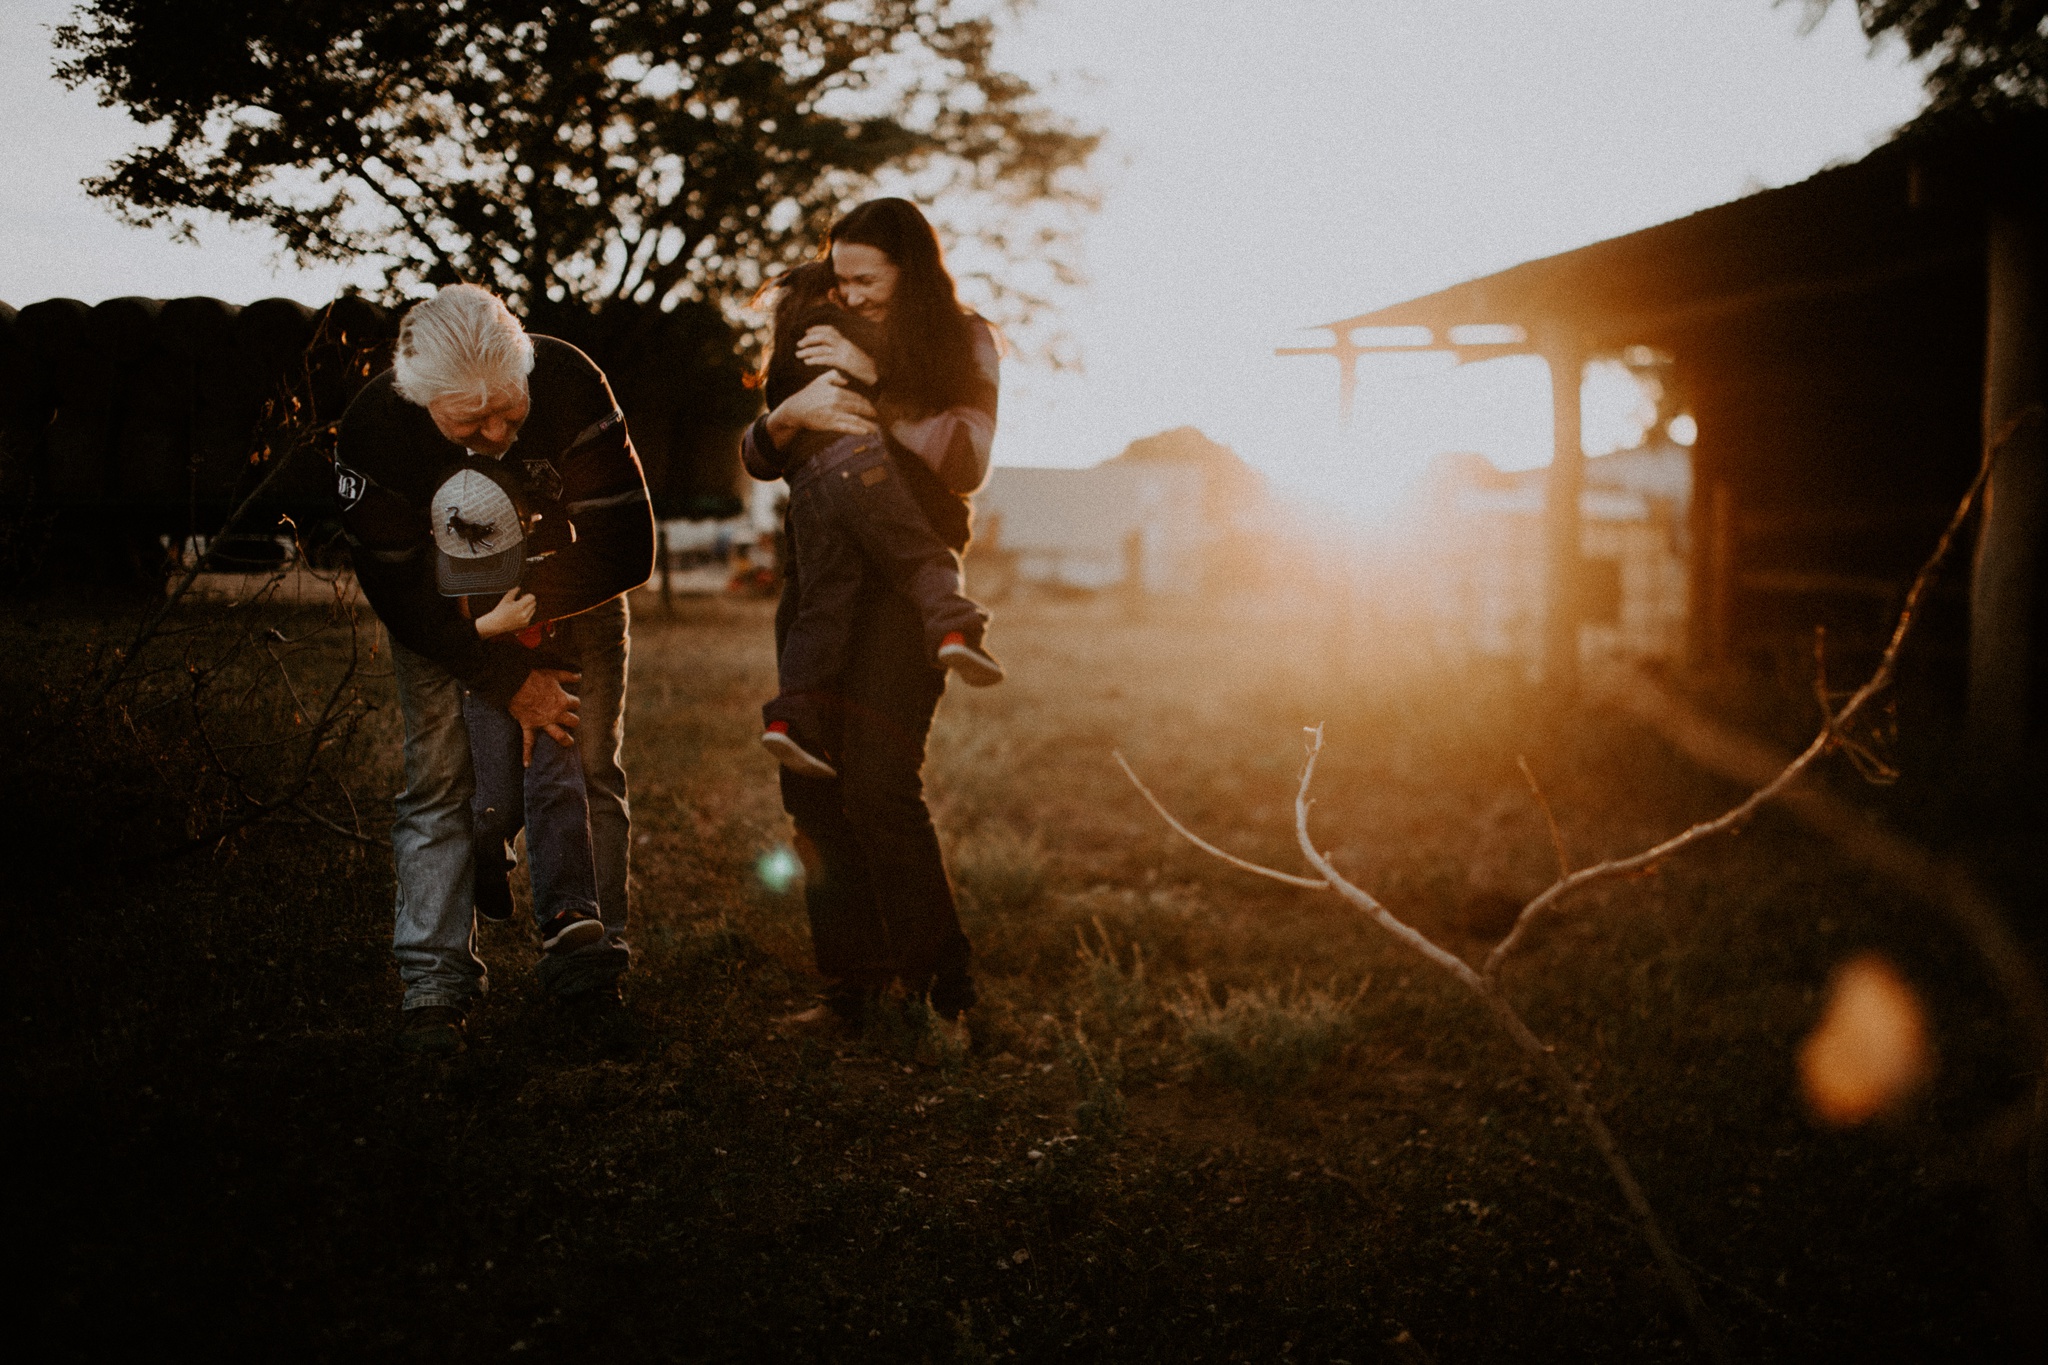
x=1617, y=407
x=1414, y=411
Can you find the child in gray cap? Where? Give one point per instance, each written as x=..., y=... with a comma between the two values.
x=481, y=549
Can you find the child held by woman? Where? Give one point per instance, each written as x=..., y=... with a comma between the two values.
x=849, y=506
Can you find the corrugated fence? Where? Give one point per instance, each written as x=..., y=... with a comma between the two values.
x=140, y=421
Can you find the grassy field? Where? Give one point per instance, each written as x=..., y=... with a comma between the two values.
x=1207, y=1117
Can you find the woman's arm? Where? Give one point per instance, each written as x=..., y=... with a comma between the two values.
x=759, y=453
x=956, y=442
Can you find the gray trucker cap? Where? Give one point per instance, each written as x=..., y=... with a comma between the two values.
x=479, y=535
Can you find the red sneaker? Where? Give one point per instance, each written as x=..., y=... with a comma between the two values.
x=976, y=667
x=791, y=754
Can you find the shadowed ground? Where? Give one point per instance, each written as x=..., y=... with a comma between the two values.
x=1207, y=1117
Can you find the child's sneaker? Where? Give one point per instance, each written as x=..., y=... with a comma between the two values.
x=791, y=754
x=976, y=666
x=821, y=1021
x=570, y=929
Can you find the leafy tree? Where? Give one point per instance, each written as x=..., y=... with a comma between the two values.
x=1990, y=56
x=569, y=153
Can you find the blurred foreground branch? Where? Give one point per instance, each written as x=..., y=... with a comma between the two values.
x=237, y=699
x=292, y=433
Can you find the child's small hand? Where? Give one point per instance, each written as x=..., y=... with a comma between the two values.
x=514, y=612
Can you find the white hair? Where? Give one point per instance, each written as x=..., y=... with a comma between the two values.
x=463, y=342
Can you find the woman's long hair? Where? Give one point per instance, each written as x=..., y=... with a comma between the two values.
x=927, y=359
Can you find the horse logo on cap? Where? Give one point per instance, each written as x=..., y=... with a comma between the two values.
x=476, y=535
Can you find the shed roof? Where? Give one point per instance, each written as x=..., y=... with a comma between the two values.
x=1907, y=210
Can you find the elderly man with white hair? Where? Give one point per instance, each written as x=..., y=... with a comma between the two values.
x=468, y=383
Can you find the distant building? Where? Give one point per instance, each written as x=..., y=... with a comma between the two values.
x=1487, y=556
x=1174, y=513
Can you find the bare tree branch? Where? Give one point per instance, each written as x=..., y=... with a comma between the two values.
x=1289, y=878
x=1941, y=882
x=1582, y=1109
x=151, y=620
x=1826, y=739
x=1386, y=918
x=244, y=726
x=1488, y=990
x=353, y=835
x=1979, y=920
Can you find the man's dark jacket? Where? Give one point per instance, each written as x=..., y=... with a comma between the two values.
x=578, y=470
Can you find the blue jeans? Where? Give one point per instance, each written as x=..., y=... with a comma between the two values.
x=545, y=797
x=435, y=936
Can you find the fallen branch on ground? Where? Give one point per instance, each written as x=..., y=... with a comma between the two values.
x=1485, y=981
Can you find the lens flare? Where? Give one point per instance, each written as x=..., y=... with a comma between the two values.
x=1870, y=1049
x=778, y=868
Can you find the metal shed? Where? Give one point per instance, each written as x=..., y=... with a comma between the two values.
x=1846, y=345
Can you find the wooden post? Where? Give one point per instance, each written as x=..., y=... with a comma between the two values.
x=1706, y=509
x=1561, y=521
x=2007, y=567
x=1721, y=574
x=1134, y=572
x=667, y=560
x=1346, y=352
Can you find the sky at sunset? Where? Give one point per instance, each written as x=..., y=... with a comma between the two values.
x=1268, y=166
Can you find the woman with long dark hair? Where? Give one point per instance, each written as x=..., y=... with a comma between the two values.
x=880, y=905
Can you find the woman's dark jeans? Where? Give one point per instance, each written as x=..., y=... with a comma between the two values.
x=875, y=883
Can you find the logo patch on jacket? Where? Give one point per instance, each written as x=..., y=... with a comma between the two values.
x=871, y=477
x=349, y=486
x=543, y=480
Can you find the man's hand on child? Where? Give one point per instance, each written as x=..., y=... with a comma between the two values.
x=823, y=345
x=542, y=705
x=513, y=613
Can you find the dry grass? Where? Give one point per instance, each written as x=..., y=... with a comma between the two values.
x=1263, y=1038
x=1166, y=1146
